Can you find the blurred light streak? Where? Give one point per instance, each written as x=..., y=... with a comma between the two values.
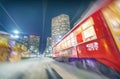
x=15, y=36
x=9, y=15
x=44, y=15
x=89, y=10
x=14, y=52
x=16, y=31
x=2, y=25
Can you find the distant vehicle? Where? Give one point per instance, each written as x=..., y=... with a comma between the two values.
x=94, y=43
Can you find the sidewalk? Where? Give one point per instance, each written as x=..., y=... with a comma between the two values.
x=71, y=72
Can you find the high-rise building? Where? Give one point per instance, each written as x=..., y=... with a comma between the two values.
x=60, y=26
x=24, y=40
x=34, y=43
x=48, y=49
x=49, y=41
x=31, y=42
x=49, y=44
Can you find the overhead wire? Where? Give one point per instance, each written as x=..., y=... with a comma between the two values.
x=4, y=9
x=83, y=13
x=2, y=25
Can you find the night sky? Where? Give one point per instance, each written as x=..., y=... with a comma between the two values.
x=34, y=16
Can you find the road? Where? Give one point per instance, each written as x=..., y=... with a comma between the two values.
x=43, y=68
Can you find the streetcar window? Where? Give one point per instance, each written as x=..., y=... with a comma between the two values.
x=89, y=34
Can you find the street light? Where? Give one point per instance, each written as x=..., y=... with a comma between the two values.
x=15, y=36
x=16, y=31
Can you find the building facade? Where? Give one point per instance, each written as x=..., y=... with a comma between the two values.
x=32, y=43
x=48, y=49
x=24, y=40
x=60, y=26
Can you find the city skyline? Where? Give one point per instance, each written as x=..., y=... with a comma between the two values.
x=34, y=16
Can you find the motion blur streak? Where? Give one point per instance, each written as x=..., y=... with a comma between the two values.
x=43, y=68
x=9, y=15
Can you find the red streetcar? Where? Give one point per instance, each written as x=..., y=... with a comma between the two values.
x=95, y=41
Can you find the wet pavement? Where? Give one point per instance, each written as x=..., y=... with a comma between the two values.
x=44, y=68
